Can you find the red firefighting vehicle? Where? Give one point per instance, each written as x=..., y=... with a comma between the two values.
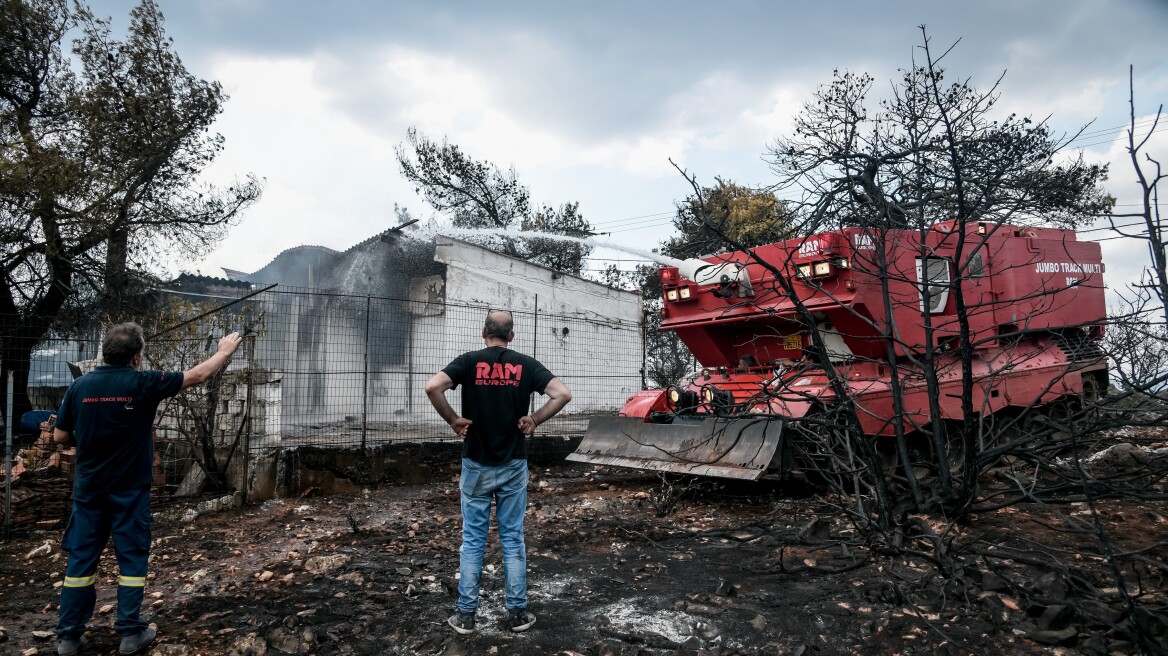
x=879, y=300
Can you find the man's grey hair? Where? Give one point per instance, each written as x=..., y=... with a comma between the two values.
x=499, y=325
x=122, y=342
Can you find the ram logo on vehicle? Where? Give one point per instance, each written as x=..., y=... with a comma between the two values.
x=809, y=247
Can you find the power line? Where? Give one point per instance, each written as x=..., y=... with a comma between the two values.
x=658, y=218
x=1119, y=138
x=640, y=224
x=633, y=218
x=617, y=259
x=1109, y=227
x=1101, y=131
x=640, y=227
x=647, y=221
x=1143, y=234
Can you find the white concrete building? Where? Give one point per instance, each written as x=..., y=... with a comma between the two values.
x=402, y=310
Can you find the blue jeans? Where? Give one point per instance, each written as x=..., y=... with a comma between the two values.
x=125, y=516
x=507, y=485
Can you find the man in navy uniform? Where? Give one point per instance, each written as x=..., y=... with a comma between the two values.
x=496, y=389
x=109, y=415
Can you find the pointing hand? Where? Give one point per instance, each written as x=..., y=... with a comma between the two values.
x=228, y=343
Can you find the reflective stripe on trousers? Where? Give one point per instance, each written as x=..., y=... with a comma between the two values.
x=124, y=516
x=79, y=581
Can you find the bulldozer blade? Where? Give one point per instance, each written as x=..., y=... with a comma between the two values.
x=726, y=448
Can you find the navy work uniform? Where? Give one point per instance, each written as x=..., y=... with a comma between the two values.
x=110, y=412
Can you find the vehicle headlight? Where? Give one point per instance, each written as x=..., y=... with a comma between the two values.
x=804, y=270
x=708, y=393
x=671, y=295
x=823, y=268
x=683, y=293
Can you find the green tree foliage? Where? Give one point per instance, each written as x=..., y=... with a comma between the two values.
x=101, y=152
x=566, y=256
x=751, y=217
x=667, y=360
x=478, y=195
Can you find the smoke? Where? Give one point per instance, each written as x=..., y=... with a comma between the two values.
x=335, y=346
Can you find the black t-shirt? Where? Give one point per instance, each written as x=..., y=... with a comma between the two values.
x=496, y=388
x=110, y=412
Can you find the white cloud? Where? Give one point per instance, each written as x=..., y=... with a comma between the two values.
x=329, y=181
x=585, y=103
x=1127, y=258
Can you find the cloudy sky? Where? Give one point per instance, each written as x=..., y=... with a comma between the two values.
x=589, y=100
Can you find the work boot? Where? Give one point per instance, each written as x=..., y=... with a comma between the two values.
x=518, y=619
x=132, y=644
x=70, y=646
x=462, y=622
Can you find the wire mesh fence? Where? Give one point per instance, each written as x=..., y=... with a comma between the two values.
x=351, y=369
x=325, y=371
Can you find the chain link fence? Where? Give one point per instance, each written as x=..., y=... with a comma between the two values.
x=322, y=372
x=352, y=368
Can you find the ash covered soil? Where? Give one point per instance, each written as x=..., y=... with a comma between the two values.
x=732, y=569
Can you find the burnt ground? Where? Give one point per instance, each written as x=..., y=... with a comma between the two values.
x=733, y=569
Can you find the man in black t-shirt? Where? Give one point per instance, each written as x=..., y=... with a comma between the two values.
x=109, y=415
x=496, y=389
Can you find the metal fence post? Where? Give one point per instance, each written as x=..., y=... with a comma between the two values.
x=644, y=349
x=8, y=459
x=365, y=379
x=249, y=380
x=409, y=364
x=534, y=348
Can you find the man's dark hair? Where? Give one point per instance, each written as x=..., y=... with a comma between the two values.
x=499, y=325
x=122, y=343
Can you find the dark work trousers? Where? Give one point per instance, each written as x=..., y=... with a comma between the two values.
x=126, y=517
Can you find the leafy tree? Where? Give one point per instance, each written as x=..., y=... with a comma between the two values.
x=667, y=359
x=618, y=278
x=751, y=217
x=566, y=256
x=476, y=194
x=480, y=196
x=101, y=154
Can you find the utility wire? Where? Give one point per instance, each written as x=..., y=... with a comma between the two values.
x=1143, y=234
x=1116, y=227
x=617, y=259
x=658, y=218
x=1101, y=131
x=1120, y=138
x=634, y=218
x=642, y=224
